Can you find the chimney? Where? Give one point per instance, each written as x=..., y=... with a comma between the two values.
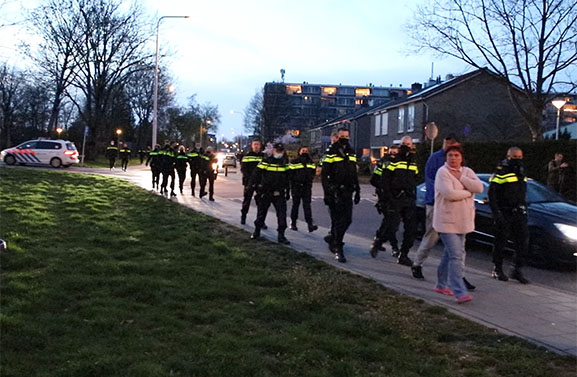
x=415, y=87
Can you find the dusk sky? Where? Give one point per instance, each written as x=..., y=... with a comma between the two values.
x=227, y=49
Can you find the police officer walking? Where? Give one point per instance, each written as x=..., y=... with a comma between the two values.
x=507, y=191
x=207, y=172
x=194, y=161
x=154, y=160
x=181, y=165
x=302, y=173
x=399, y=182
x=271, y=182
x=124, y=153
x=248, y=164
x=340, y=181
x=167, y=169
x=111, y=154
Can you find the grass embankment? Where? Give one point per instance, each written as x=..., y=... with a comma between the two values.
x=104, y=279
x=102, y=162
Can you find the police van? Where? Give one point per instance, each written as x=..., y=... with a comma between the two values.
x=55, y=153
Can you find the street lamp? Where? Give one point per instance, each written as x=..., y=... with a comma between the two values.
x=155, y=96
x=59, y=131
x=118, y=133
x=558, y=103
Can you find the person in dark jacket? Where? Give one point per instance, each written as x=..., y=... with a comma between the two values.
x=143, y=154
x=194, y=161
x=302, y=173
x=112, y=154
x=271, y=182
x=154, y=160
x=181, y=164
x=507, y=192
x=168, y=161
x=124, y=154
x=399, y=192
x=208, y=171
x=340, y=182
x=248, y=164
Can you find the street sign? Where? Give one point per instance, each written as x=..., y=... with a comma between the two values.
x=431, y=132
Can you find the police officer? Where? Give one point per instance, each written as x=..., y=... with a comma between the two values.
x=168, y=159
x=143, y=154
x=386, y=231
x=271, y=182
x=111, y=154
x=507, y=191
x=207, y=172
x=154, y=160
x=334, y=138
x=248, y=164
x=181, y=164
x=124, y=154
x=194, y=161
x=302, y=173
x=399, y=193
x=340, y=181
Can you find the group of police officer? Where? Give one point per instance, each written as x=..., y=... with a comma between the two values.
x=174, y=158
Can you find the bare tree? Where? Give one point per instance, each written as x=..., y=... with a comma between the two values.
x=11, y=85
x=531, y=44
x=253, y=114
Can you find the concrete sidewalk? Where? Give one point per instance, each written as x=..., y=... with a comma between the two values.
x=539, y=314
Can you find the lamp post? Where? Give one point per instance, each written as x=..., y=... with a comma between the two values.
x=118, y=133
x=59, y=131
x=155, y=95
x=558, y=103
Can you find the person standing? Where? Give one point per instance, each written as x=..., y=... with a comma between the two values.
x=111, y=154
x=124, y=153
x=248, y=163
x=168, y=159
x=453, y=218
x=143, y=154
x=208, y=173
x=507, y=192
x=302, y=173
x=270, y=180
x=556, y=173
x=399, y=182
x=195, y=162
x=181, y=165
x=340, y=182
x=154, y=160
x=334, y=138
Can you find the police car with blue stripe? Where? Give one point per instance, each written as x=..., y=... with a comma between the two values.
x=55, y=153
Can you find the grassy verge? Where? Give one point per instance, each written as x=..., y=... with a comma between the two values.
x=102, y=162
x=105, y=279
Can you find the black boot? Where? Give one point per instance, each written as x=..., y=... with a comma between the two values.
x=469, y=286
x=417, y=272
x=294, y=225
x=517, y=274
x=395, y=252
x=211, y=198
x=282, y=239
x=256, y=234
x=498, y=273
x=312, y=227
x=404, y=259
x=375, y=248
x=340, y=255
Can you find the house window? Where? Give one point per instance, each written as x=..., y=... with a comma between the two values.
x=328, y=91
x=411, y=118
x=401, y=126
x=362, y=92
x=385, y=124
x=346, y=91
x=293, y=89
x=377, y=121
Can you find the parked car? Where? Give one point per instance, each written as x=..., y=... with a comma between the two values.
x=229, y=160
x=552, y=223
x=55, y=153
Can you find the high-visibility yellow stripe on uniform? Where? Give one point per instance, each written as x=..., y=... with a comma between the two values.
x=272, y=167
x=251, y=159
x=378, y=171
x=403, y=165
x=182, y=157
x=296, y=166
x=193, y=155
x=504, y=178
x=330, y=158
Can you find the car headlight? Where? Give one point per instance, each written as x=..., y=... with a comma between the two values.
x=568, y=231
x=214, y=166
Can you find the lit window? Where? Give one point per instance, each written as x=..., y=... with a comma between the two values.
x=377, y=120
x=358, y=102
x=401, y=125
x=362, y=92
x=328, y=91
x=411, y=118
x=293, y=89
x=385, y=124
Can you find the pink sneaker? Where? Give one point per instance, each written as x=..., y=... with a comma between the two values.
x=463, y=299
x=445, y=291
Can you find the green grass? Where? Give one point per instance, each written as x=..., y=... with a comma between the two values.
x=102, y=162
x=104, y=279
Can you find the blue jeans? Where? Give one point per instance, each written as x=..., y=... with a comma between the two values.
x=450, y=270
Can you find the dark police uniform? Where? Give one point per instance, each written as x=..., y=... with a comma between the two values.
x=340, y=181
x=168, y=160
x=302, y=173
x=111, y=154
x=248, y=164
x=270, y=180
x=194, y=161
x=207, y=173
x=143, y=154
x=399, y=193
x=181, y=165
x=124, y=154
x=507, y=191
x=386, y=231
x=154, y=160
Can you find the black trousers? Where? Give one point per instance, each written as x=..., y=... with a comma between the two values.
x=193, y=174
x=166, y=174
x=155, y=176
x=246, y=199
x=302, y=194
x=341, y=212
x=112, y=161
x=514, y=225
x=279, y=203
x=403, y=209
x=124, y=163
x=387, y=231
x=210, y=178
x=181, y=178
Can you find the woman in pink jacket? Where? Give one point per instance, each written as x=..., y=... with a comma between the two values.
x=453, y=218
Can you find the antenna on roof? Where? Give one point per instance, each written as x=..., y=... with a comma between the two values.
x=282, y=72
x=432, y=69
